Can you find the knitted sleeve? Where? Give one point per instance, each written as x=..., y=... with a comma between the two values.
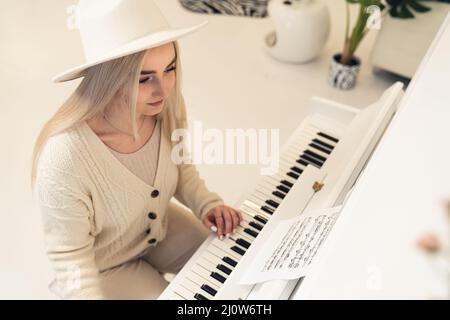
x=192, y=191
x=67, y=215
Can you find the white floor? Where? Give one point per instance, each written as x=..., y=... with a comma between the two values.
x=228, y=83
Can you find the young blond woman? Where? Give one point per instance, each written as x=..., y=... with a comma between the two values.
x=102, y=167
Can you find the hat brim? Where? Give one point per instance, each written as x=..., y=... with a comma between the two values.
x=143, y=43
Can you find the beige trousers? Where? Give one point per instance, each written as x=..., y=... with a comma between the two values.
x=143, y=278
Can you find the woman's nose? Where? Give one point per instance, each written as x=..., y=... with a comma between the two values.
x=159, y=90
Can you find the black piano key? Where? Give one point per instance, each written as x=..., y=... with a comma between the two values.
x=287, y=183
x=256, y=225
x=315, y=155
x=302, y=162
x=293, y=175
x=243, y=243
x=238, y=250
x=317, y=147
x=230, y=261
x=272, y=203
x=261, y=219
x=326, y=136
x=297, y=169
x=279, y=194
x=251, y=232
x=208, y=289
x=224, y=269
x=323, y=144
x=218, y=277
x=267, y=209
x=199, y=296
x=311, y=160
x=283, y=188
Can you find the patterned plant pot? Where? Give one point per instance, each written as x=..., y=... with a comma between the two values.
x=343, y=76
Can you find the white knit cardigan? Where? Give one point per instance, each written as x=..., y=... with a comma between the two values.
x=96, y=212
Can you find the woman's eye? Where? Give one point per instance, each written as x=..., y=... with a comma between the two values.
x=151, y=78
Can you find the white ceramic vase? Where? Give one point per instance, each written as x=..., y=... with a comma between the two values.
x=301, y=30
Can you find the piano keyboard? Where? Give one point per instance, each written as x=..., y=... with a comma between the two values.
x=325, y=153
x=311, y=147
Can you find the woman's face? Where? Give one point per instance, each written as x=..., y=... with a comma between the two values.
x=157, y=79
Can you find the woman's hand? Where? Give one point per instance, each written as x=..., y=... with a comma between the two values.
x=223, y=220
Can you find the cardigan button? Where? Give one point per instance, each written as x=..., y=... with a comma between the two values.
x=152, y=215
x=148, y=230
x=155, y=193
x=152, y=241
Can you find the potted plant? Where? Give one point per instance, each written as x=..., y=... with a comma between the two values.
x=345, y=66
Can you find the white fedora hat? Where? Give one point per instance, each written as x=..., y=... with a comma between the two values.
x=111, y=29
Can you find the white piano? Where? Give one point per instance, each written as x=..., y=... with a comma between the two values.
x=387, y=164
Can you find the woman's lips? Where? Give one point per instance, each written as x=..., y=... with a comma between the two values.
x=156, y=103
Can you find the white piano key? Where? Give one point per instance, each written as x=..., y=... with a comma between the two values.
x=226, y=249
x=205, y=274
x=246, y=225
x=320, y=153
x=190, y=286
x=212, y=267
x=258, y=199
x=331, y=143
x=212, y=258
x=269, y=183
x=262, y=201
x=257, y=212
x=206, y=263
x=231, y=243
x=220, y=255
x=175, y=296
x=241, y=234
x=266, y=196
x=255, y=207
x=264, y=212
x=197, y=287
x=282, y=176
x=284, y=164
x=201, y=279
x=185, y=293
x=272, y=180
x=264, y=189
x=212, y=250
x=247, y=217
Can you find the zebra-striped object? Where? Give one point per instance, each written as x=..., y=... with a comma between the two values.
x=253, y=8
x=342, y=76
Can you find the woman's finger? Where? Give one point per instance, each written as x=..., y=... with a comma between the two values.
x=228, y=220
x=208, y=222
x=236, y=219
x=239, y=213
x=219, y=222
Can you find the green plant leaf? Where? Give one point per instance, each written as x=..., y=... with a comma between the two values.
x=404, y=8
x=405, y=13
x=419, y=7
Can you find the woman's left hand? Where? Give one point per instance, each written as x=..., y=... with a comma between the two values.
x=223, y=220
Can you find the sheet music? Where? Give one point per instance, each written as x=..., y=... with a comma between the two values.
x=292, y=247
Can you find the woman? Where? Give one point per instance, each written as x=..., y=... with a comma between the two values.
x=102, y=164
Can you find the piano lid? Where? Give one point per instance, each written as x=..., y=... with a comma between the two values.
x=371, y=252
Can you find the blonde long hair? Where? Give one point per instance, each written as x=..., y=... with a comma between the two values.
x=96, y=92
